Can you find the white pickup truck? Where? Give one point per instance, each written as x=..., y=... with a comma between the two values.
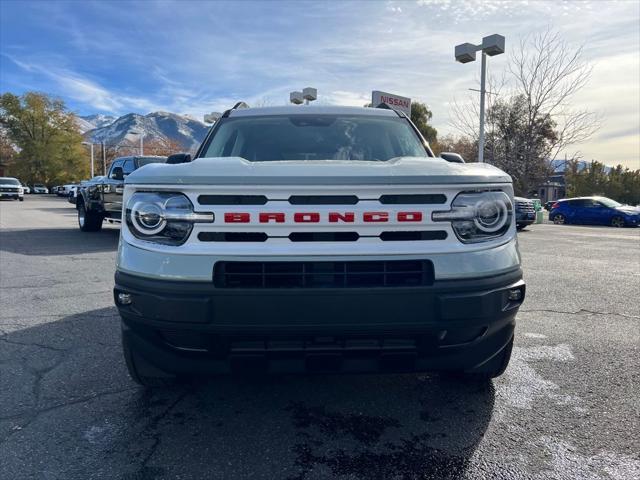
x=317, y=239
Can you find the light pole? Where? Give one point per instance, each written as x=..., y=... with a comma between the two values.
x=91, y=145
x=465, y=53
x=307, y=95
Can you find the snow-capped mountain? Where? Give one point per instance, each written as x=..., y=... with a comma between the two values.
x=185, y=130
x=89, y=122
x=559, y=166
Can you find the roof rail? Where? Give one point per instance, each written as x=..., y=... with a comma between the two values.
x=235, y=107
x=387, y=107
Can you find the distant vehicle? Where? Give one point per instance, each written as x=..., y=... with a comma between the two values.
x=547, y=206
x=54, y=190
x=40, y=188
x=10, y=188
x=72, y=194
x=525, y=212
x=594, y=211
x=25, y=188
x=63, y=190
x=101, y=198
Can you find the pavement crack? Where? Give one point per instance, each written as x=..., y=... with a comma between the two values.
x=35, y=415
x=153, y=425
x=582, y=311
x=33, y=344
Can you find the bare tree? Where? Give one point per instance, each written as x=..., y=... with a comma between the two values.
x=530, y=117
x=549, y=72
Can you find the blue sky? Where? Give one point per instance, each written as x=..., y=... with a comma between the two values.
x=198, y=57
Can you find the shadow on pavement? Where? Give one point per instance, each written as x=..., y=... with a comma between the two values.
x=70, y=404
x=58, y=241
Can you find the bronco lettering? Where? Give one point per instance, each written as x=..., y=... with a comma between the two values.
x=316, y=217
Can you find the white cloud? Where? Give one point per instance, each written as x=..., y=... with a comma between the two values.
x=344, y=49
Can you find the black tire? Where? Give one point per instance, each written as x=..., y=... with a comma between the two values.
x=559, y=219
x=89, y=221
x=617, y=222
x=519, y=227
x=21, y=199
x=141, y=371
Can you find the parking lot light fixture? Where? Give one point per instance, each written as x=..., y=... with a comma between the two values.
x=296, y=98
x=465, y=53
x=91, y=145
x=307, y=95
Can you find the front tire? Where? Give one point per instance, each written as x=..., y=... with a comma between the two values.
x=89, y=221
x=617, y=222
x=559, y=219
x=21, y=199
x=141, y=371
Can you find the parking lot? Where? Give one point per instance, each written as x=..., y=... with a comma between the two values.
x=567, y=407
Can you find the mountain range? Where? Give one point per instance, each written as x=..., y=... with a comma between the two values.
x=185, y=130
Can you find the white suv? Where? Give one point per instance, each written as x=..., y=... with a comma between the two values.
x=323, y=239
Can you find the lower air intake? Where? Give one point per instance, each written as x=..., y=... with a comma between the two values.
x=357, y=274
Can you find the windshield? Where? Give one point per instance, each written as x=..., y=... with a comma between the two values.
x=607, y=202
x=9, y=181
x=315, y=137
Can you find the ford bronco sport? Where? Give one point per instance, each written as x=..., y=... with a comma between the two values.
x=316, y=239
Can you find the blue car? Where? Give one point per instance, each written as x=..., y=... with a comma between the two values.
x=594, y=211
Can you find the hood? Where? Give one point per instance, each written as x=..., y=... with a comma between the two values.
x=628, y=209
x=237, y=171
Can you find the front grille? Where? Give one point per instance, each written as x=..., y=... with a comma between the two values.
x=424, y=199
x=525, y=206
x=390, y=236
x=8, y=189
x=323, y=200
x=232, y=237
x=324, y=236
x=356, y=274
x=232, y=200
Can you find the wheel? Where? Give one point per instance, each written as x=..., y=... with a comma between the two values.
x=617, y=222
x=87, y=220
x=519, y=227
x=559, y=219
x=141, y=371
x=21, y=199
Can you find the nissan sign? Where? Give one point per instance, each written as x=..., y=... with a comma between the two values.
x=394, y=101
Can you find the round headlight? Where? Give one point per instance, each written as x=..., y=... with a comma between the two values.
x=478, y=216
x=491, y=215
x=148, y=218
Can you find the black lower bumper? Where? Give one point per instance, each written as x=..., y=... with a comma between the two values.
x=192, y=327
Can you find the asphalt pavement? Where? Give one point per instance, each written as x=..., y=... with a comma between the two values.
x=567, y=407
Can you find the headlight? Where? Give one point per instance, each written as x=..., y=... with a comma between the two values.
x=165, y=218
x=478, y=217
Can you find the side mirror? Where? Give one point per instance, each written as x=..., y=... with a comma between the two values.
x=117, y=173
x=179, y=158
x=452, y=157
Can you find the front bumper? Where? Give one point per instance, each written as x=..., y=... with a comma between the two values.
x=193, y=327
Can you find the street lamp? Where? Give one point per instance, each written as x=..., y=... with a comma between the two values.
x=307, y=95
x=465, y=53
x=91, y=145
